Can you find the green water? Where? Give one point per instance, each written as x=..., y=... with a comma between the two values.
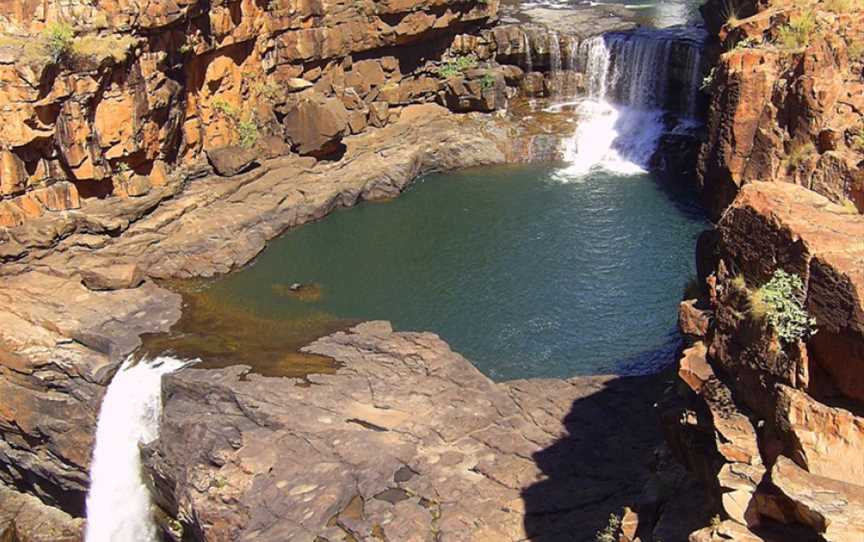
x=524, y=271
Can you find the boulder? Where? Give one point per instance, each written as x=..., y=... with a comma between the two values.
x=832, y=508
x=828, y=441
x=315, y=125
x=693, y=320
x=232, y=160
x=113, y=277
x=24, y=518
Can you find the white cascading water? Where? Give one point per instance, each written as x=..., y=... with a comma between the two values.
x=119, y=506
x=622, y=119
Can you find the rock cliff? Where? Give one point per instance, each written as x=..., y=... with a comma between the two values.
x=770, y=415
x=787, y=99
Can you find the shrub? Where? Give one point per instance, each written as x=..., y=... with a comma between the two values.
x=748, y=43
x=610, y=532
x=100, y=48
x=739, y=283
x=729, y=12
x=856, y=51
x=248, y=131
x=797, y=32
x=799, y=154
x=222, y=106
x=780, y=301
x=856, y=139
x=488, y=81
x=842, y=6
x=58, y=39
x=456, y=66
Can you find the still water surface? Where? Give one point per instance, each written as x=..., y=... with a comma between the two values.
x=526, y=271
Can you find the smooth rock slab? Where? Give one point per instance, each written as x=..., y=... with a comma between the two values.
x=407, y=441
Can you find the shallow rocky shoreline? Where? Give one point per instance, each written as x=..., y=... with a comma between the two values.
x=68, y=339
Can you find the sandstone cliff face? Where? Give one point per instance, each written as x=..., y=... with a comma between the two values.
x=143, y=87
x=785, y=109
x=138, y=90
x=769, y=423
x=775, y=428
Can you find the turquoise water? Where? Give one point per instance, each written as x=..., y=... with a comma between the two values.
x=526, y=272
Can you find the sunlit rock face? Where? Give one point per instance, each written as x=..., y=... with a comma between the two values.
x=784, y=112
x=107, y=112
x=773, y=425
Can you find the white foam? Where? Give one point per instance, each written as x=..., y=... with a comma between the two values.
x=119, y=507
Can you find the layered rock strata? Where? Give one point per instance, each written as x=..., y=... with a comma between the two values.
x=787, y=100
x=108, y=101
x=774, y=427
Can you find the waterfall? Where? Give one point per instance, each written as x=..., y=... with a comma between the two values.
x=529, y=62
x=694, y=68
x=119, y=504
x=553, y=43
x=630, y=79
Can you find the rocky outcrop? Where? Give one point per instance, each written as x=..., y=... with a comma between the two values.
x=786, y=104
x=64, y=332
x=26, y=518
x=407, y=441
x=108, y=101
x=92, y=107
x=773, y=426
x=59, y=343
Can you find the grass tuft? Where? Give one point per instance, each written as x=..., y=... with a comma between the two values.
x=797, y=33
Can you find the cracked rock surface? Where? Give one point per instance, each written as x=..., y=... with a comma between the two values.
x=407, y=441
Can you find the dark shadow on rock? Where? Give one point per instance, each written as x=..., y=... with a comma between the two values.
x=601, y=466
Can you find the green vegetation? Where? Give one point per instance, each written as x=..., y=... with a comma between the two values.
x=849, y=206
x=247, y=129
x=796, y=34
x=488, y=81
x=780, y=302
x=843, y=6
x=855, y=51
x=99, y=48
x=457, y=66
x=58, y=44
x=610, y=532
x=799, y=154
x=739, y=283
x=856, y=139
x=268, y=90
x=58, y=38
x=729, y=12
x=220, y=105
x=748, y=43
x=175, y=527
